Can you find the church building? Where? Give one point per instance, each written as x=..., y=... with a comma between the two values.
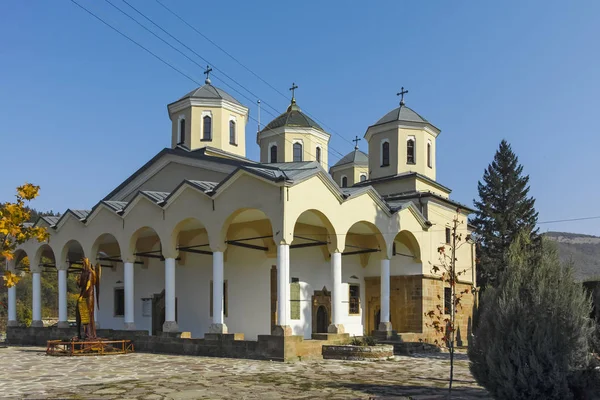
x=201, y=239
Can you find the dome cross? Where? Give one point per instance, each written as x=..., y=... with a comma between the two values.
x=401, y=94
x=356, y=142
x=207, y=73
x=293, y=89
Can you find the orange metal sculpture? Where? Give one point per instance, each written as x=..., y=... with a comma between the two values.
x=89, y=283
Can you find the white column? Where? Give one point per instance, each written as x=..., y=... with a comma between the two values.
x=336, y=295
x=12, y=306
x=62, y=299
x=129, y=295
x=170, y=324
x=384, y=324
x=218, y=321
x=283, y=289
x=36, y=303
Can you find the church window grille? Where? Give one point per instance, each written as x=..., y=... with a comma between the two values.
x=318, y=153
x=225, y=298
x=119, y=310
x=181, y=131
x=447, y=300
x=410, y=151
x=429, y=154
x=273, y=154
x=354, y=299
x=232, y=138
x=297, y=152
x=385, y=154
x=344, y=181
x=295, y=300
x=207, y=128
x=363, y=177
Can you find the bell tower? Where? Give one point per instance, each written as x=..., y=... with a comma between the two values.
x=209, y=117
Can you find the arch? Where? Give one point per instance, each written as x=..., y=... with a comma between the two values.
x=45, y=251
x=344, y=181
x=315, y=218
x=273, y=153
x=297, y=152
x=385, y=153
x=105, y=246
x=207, y=127
x=20, y=255
x=193, y=228
x=411, y=145
x=149, y=238
x=363, y=177
x=72, y=251
x=365, y=235
x=246, y=215
x=408, y=240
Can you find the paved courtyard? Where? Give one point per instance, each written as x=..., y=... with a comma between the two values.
x=28, y=373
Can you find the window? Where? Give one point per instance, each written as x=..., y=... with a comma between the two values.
x=295, y=300
x=410, y=151
x=232, y=132
x=297, y=151
x=363, y=177
x=119, y=302
x=354, y=299
x=224, y=298
x=207, y=128
x=344, y=181
x=447, y=300
x=318, y=154
x=448, y=236
x=429, y=154
x=181, y=138
x=385, y=154
x=274, y=153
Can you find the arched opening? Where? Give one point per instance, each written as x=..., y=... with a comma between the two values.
x=297, y=152
x=410, y=151
x=249, y=274
x=207, y=128
x=407, y=246
x=273, y=155
x=322, y=319
x=385, y=153
x=318, y=154
x=181, y=138
x=232, y=136
x=429, y=163
x=23, y=288
x=106, y=251
x=344, y=182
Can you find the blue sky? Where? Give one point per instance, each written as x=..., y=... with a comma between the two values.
x=81, y=108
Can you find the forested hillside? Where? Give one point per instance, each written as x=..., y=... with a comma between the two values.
x=582, y=250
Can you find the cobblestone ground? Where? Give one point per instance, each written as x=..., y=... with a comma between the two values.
x=28, y=373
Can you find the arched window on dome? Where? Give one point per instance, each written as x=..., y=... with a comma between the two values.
x=344, y=181
x=363, y=177
x=232, y=138
x=385, y=153
x=297, y=152
x=429, y=164
x=318, y=154
x=207, y=128
x=181, y=130
x=410, y=150
x=273, y=155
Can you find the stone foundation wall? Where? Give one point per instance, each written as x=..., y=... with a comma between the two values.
x=372, y=353
x=267, y=347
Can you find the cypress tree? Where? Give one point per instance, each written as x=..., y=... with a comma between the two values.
x=502, y=211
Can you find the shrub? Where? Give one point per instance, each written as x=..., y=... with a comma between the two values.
x=363, y=341
x=534, y=332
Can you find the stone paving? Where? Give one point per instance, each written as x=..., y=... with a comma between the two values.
x=28, y=373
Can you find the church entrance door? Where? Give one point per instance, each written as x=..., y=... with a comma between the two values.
x=322, y=320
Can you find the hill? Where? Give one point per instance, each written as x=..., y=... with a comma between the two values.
x=582, y=250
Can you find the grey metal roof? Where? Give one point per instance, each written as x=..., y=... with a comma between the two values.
x=397, y=205
x=357, y=157
x=401, y=113
x=81, y=214
x=293, y=117
x=51, y=220
x=157, y=197
x=116, y=205
x=209, y=91
x=205, y=186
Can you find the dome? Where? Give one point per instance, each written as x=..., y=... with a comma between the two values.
x=357, y=157
x=293, y=117
x=402, y=113
x=209, y=91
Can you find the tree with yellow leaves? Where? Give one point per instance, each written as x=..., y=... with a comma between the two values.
x=13, y=227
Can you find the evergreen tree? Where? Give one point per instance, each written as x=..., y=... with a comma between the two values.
x=503, y=210
x=535, y=330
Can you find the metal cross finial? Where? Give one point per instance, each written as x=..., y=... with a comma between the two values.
x=293, y=89
x=207, y=73
x=356, y=143
x=401, y=94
